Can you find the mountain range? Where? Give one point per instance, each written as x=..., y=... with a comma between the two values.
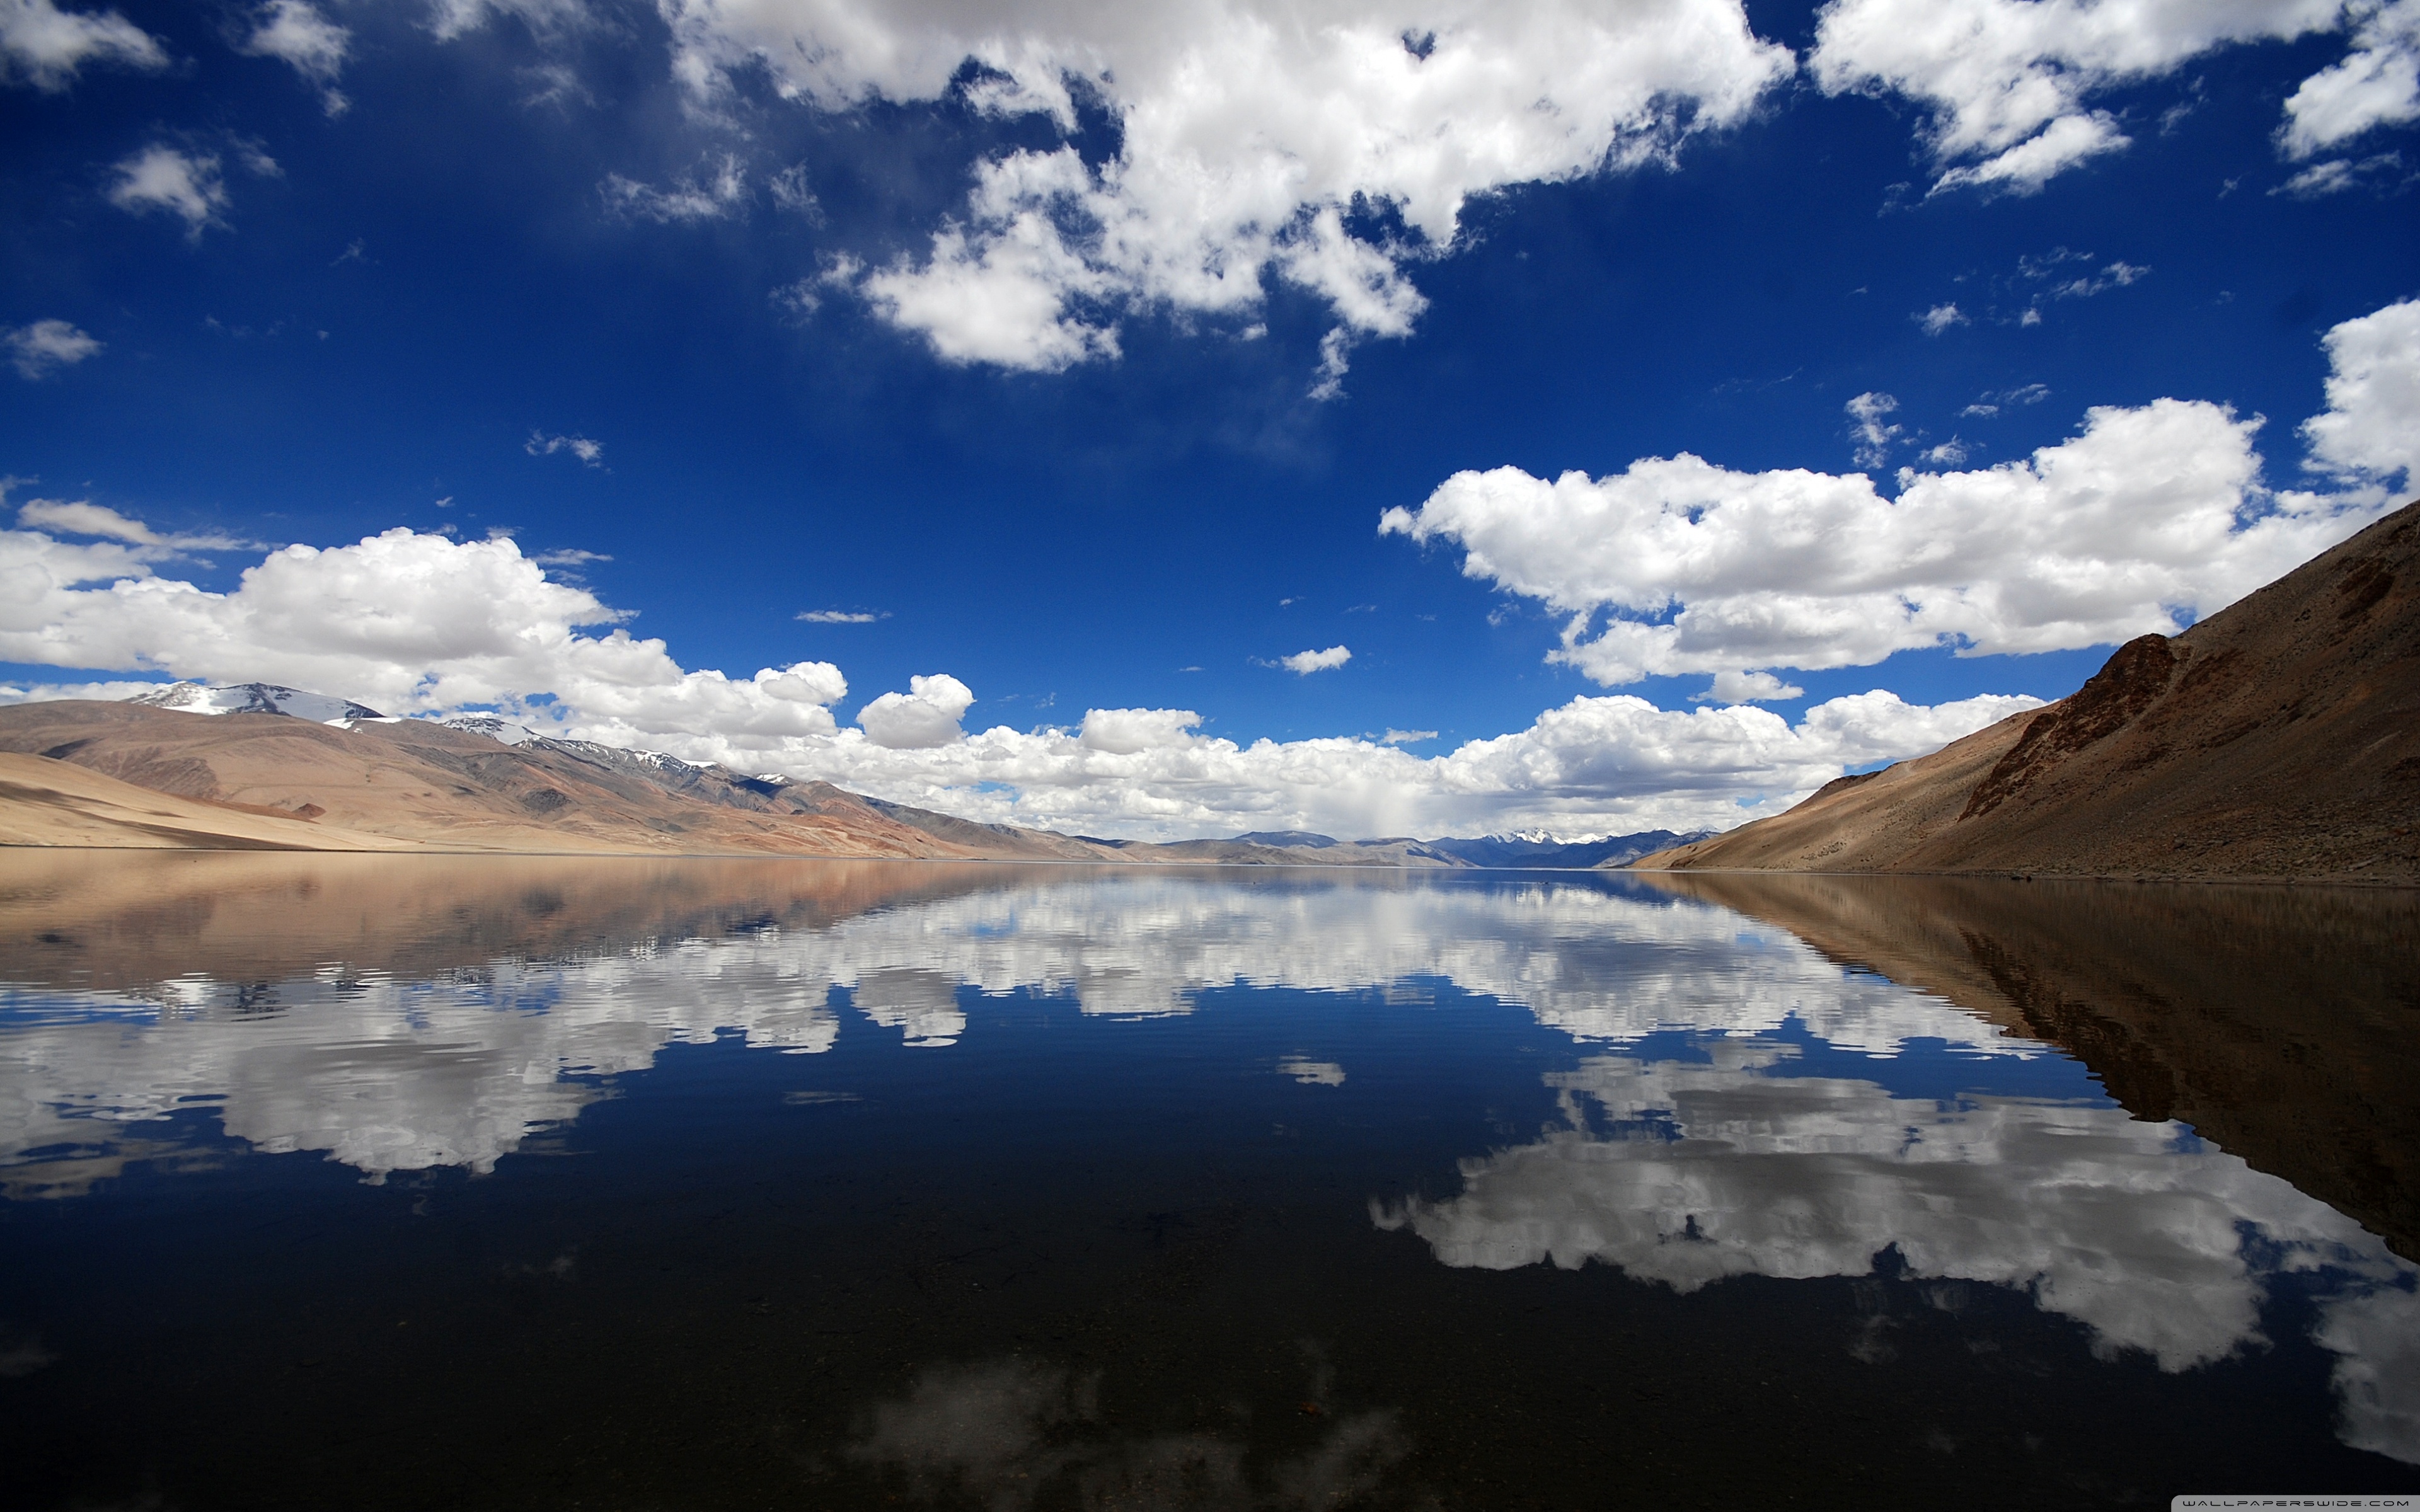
x=258, y=766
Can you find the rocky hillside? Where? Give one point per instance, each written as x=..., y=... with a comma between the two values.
x=2277, y=738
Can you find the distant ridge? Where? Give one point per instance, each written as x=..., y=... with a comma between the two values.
x=311, y=771
x=2278, y=738
x=1513, y=852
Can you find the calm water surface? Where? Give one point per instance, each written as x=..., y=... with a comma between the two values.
x=494, y=1182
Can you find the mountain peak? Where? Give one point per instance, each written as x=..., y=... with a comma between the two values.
x=255, y=698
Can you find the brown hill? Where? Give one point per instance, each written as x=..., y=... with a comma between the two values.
x=454, y=790
x=2278, y=738
x=45, y=802
x=134, y=775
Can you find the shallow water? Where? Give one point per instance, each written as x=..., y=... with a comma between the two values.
x=504, y=1182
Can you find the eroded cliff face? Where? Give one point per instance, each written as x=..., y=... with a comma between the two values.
x=2279, y=738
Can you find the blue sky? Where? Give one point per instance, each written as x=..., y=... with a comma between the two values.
x=1085, y=353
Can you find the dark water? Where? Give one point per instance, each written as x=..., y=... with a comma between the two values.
x=413, y=1182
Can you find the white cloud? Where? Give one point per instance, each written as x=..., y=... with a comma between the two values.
x=571, y=556
x=1873, y=434
x=2008, y=80
x=1124, y=732
x=839, y=616
x=2337, y=175
x=1594, y=765
x=545, y=19
x=161, y=178
x=414, y=623
x=923, y=717
x=2149, y=514
x=1247, y=129
x=2377, y=83
x=2372, y=424
x=1304, y=663
x=1406, y=737
x=1940, y=318
x=2150, y=518
x=405, y=622
x=45, y=46
x=84, y=518
x=718, y=191
x=46, y=346
x=2116, y=275
x=1748, y=688
x=315, y=46
x=1949, y=454
x=591, y=454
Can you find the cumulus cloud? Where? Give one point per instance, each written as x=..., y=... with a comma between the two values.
x=591, y=454
x=403, y=622
x=923, y=717
x=1594, y=765
x=44, y=46
x=2007, y=81
x=415, y=624
x=1247, y=133
x=1124, y=732
x=2152, y=518
x=2377, y=83
x=1748, y=688
x=161, y=178
x=1940, y=318
x=1304, y=663
x=2371, y=428
x=46, y=346
x=315, y=46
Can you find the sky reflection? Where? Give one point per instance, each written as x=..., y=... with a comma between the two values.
x=1734, y=1102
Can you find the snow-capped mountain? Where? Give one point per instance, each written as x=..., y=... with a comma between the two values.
x=255, y=698
x=503, y=732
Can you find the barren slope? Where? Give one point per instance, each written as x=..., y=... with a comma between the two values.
x=46, y=802
x=453, y=789
x=378, y=782
x=2278, y=738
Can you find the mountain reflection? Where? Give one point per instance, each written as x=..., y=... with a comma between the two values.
x=389, y=1073
x=1813, y=1078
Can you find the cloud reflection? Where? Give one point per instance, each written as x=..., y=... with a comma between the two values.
x=388, y=1074
x=1010, y=1434
x=1686, y=1173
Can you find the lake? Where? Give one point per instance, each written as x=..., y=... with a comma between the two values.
x=525, y=1182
